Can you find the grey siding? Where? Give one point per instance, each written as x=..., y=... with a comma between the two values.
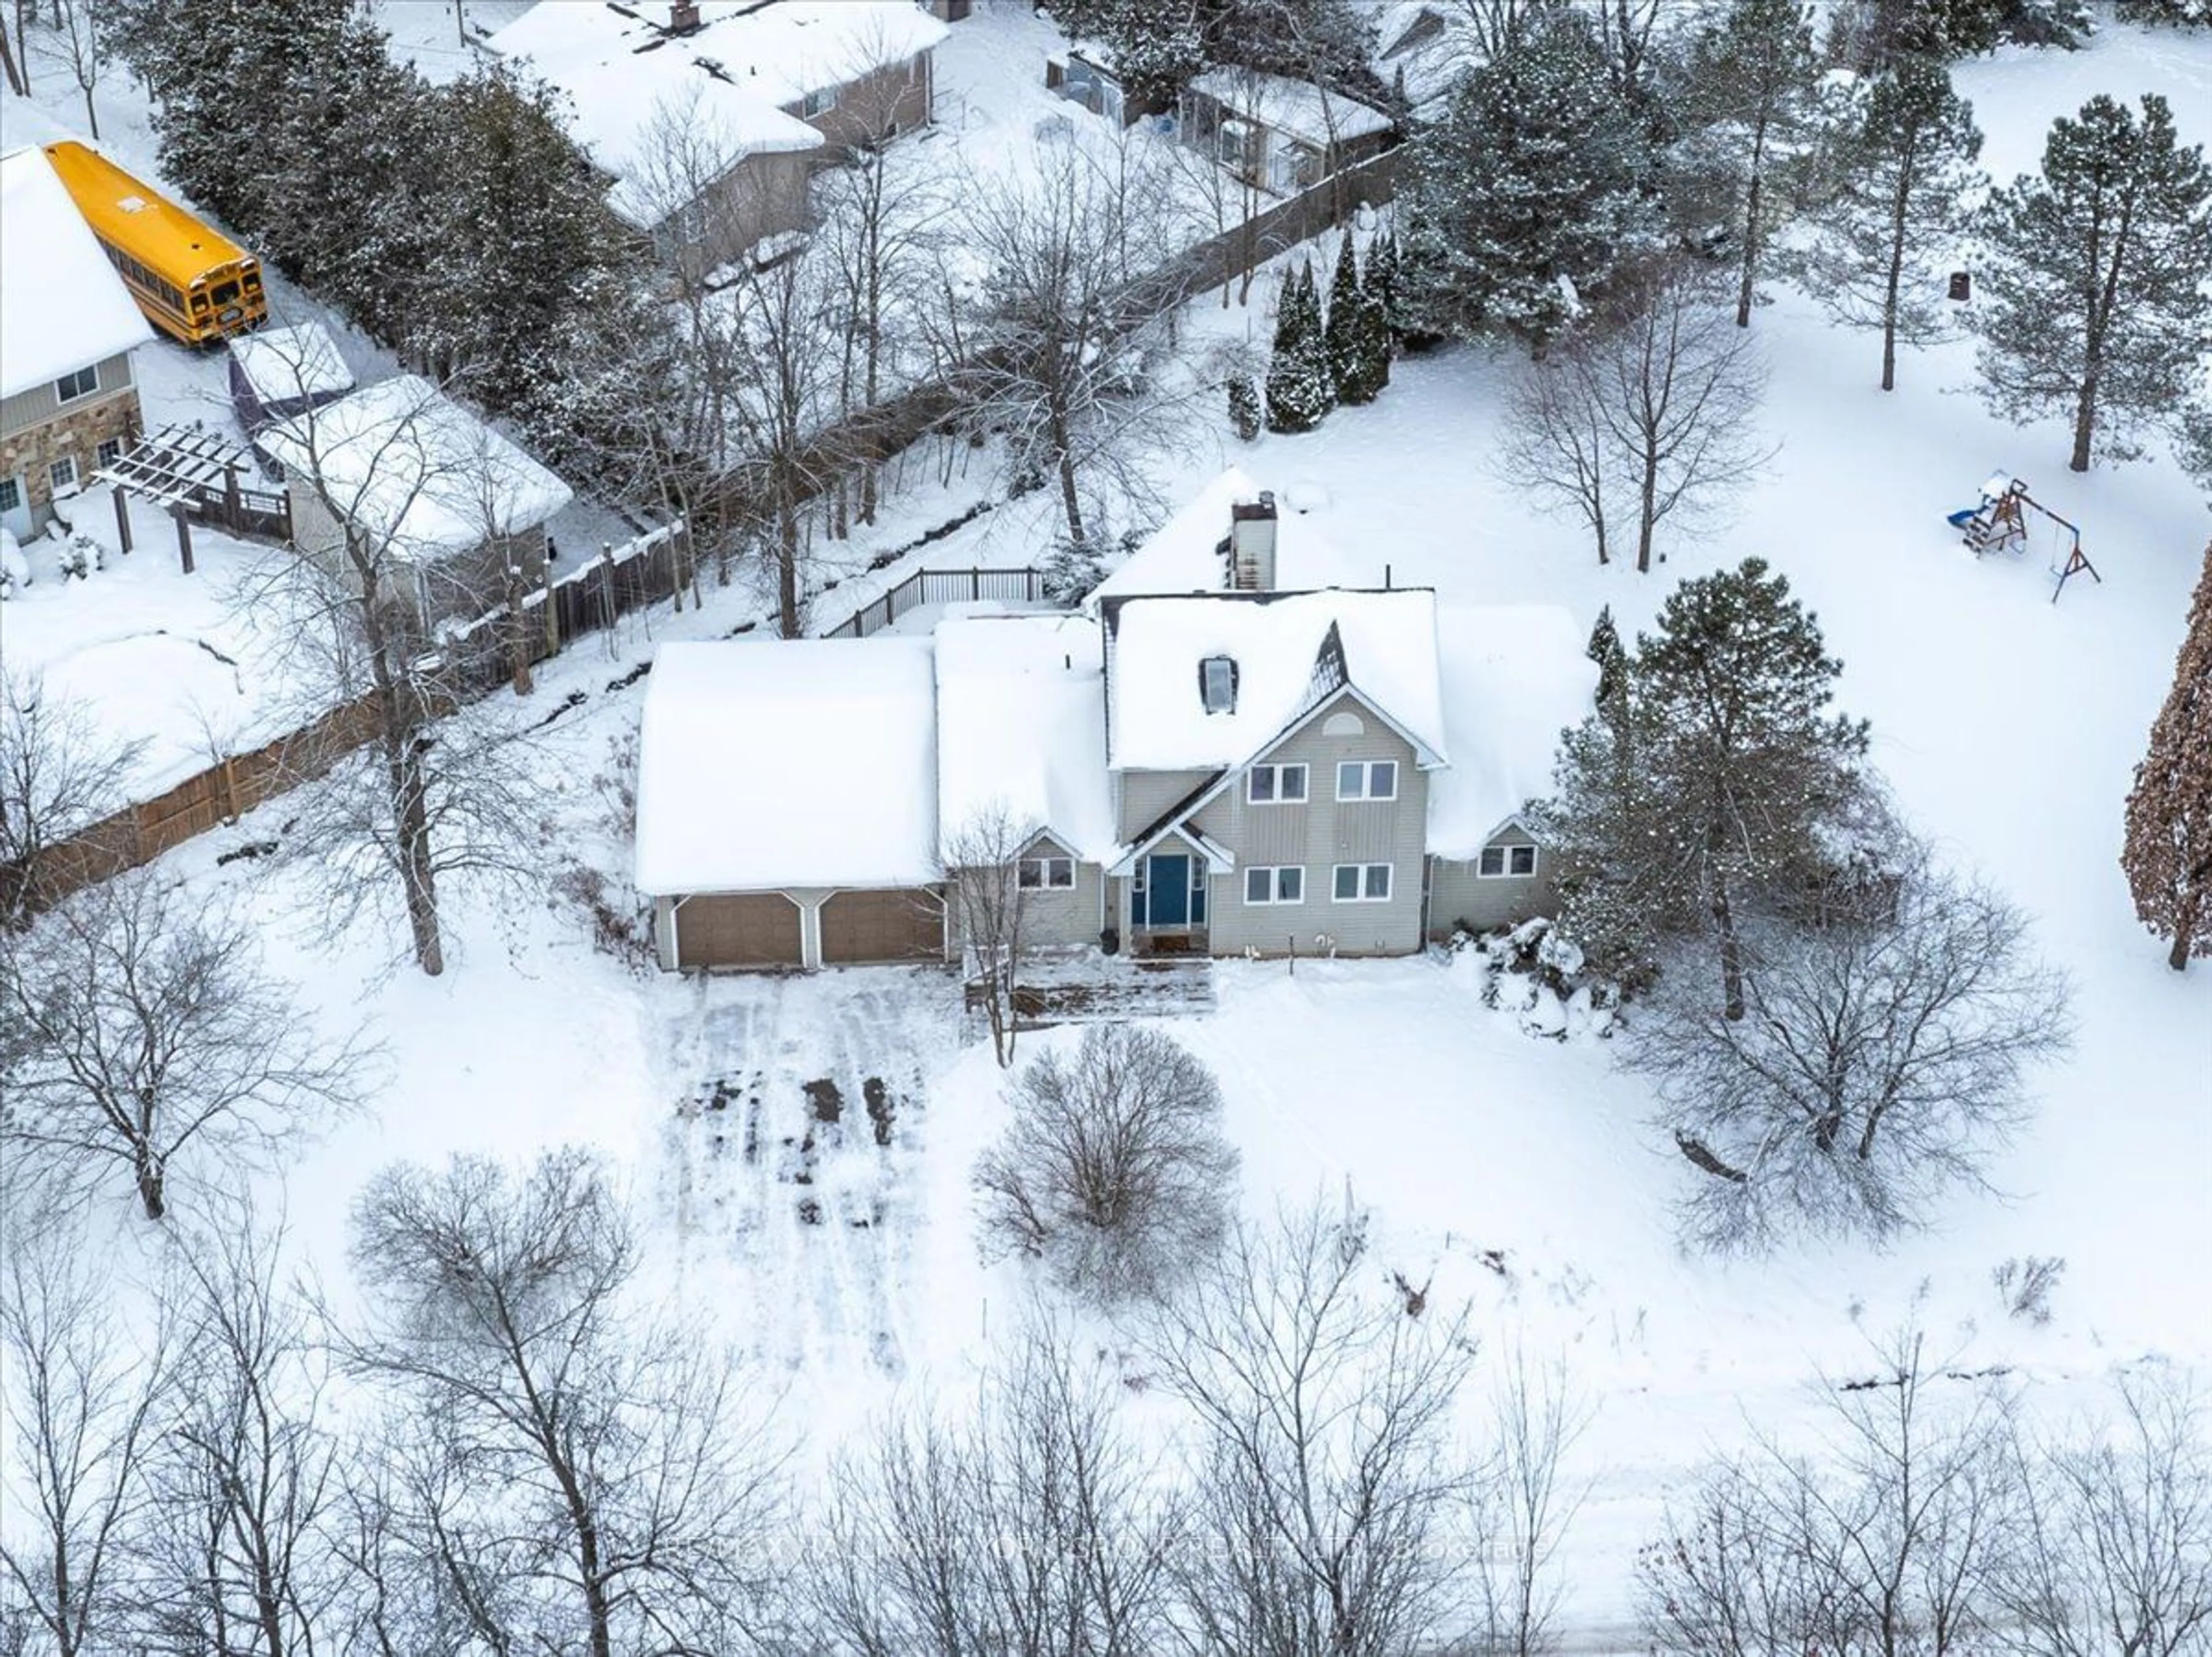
x=1460, y=895
x=1051, y=920
x=39, y=404
x=1146, y=794
x=1317, y=836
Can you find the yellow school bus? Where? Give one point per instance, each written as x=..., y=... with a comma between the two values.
x=194, y=283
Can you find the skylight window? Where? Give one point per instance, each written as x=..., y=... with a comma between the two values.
x=1217, y=684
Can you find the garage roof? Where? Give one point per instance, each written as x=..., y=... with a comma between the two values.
x=788, y=764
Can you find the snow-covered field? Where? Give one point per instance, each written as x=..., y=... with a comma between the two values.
x=2008, y=725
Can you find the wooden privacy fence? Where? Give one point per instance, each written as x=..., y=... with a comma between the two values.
x=585, y=597
x=941, y=586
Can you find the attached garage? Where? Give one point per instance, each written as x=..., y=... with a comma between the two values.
x=738, y=929
x=902, y=924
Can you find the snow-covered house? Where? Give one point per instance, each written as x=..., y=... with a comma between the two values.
x=426, y=486
x=1278, y=134
x=69, y=400
x=281, y=373
x=711, y=116
x=1206, y=759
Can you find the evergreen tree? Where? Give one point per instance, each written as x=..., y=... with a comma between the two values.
x=1903, y=172
x=1298, y=390
x=1739, y=768
x=2192, y=443
x=1382, y=283
x=1750, y=100
x=1605, y=649
x=1370, y=343
x=2178, y=13
x=1343, y=337
x=2095, y=301
x=1244, y=407
x=1523, y=194
x=2168, y=852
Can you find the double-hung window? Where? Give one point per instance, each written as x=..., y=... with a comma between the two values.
x=1507, y=861
x=1361, y=882
x=1047, y=874
x=1357, y=779
x=1266, y=884
x=1276, y=784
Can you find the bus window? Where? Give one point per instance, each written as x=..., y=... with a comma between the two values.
x=225, y=292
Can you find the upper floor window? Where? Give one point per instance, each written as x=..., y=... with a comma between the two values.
x=1367, y=779
x=820, y=102
x=1276, y=885
x=83, y=382
x=1507, y=860
x=1047, y=874
x=1277, y=785
x=1217, y=684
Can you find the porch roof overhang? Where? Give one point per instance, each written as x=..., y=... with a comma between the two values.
x=1219, y=859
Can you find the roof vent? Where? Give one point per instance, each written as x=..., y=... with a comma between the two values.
x=1217, y=684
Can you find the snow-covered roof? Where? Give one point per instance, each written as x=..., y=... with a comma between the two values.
x=1157, y=715
x=289, y=365
x=728, y=81
x=788, y=763
x=62, y=305
x=405, y=461
x=1429, y=45
x=1021, y=726
x=1185, y=554
x=1515, y=676
x=1297, y=108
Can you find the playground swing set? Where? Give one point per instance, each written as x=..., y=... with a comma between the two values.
x=1999, y=524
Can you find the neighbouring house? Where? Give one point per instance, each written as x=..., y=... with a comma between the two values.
x=426, y=485
x=1277, y=134
x=1206, y=759
x=69, y=400
x=1085, y=74
x=282, y=372
x=710, y=117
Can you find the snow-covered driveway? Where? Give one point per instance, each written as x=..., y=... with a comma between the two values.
x=798, y=1160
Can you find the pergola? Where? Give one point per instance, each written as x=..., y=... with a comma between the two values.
x=187, y=470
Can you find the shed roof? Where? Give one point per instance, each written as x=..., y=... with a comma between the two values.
x=788, y=764
x=1299, y=108
x=287, y=365
x=406, y=462
x=62, y=305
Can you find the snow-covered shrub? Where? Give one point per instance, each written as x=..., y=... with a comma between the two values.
x=1536, y=972
x=1113, y=1170
x=1244, y=416
x=622, y=921
x=79, y=557
x=2025, y=1283
x=14, y=569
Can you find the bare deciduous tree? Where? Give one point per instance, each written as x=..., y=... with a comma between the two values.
x=58, y=775
x=81, y=1403
x=2113, y=1549
x=1522, y=1509
x=1114, y=1168
x=1034, y=1528
x=1328, y=1479
x=1645, y=412
x=990, y=906
x=1884, y=1541
x=608, y=1474
x=1881, y=1059
x=142, y=1029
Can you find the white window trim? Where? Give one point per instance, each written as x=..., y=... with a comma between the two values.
x=55, y=482
x=1367, y=782
x=1274, y=900
x=1505, y=871
x=1045, y=865
x=1276, y=769
x=820, y=102
x=109, y=451
x=93, y=390
x=1389, y=882
x=15, y=484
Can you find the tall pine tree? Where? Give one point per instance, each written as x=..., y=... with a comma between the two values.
x=2094, y=301
x=1523, y=194
x=2168, y=852
x=1298, y=389
x=1341, y=333
x=1903, y=173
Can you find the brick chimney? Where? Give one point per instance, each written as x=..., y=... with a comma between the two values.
x=1252, y=543
x=683, y=17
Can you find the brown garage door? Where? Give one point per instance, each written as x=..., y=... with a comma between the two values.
x=747, y=929
x=907, y=924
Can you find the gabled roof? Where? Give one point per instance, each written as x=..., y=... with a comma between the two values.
x=62, y=305
x=1299, y=109
x=1515, y=676
x=1021, y=726
x=729, y=79
x=405, y=461
x=788, y=764
x=1292, y=651
x=1189, y=552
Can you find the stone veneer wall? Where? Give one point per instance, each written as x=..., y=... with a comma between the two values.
x=76, y=434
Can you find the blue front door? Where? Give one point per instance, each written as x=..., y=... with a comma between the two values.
x=1165, y=899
